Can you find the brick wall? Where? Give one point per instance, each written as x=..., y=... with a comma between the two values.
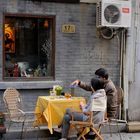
x=77, y=55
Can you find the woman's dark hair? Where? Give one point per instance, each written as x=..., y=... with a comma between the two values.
x=96, y=83
x=102, y=73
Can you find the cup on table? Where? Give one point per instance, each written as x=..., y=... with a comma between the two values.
x=67, y=95
x=52, y=93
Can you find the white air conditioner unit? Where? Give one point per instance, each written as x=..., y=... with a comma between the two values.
x=113, y=13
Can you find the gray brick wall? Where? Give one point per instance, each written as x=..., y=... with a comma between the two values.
x=77, y=55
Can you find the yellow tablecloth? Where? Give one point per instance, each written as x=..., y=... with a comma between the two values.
x=51, y=109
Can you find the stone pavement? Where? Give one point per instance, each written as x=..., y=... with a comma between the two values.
x=44, y=134
x=115, y=136
x=122, y=136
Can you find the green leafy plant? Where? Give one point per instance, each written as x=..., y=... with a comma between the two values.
x=58, y=89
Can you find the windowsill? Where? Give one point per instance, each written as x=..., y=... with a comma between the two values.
x=30, y=84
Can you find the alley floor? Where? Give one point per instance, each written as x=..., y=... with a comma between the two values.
x=115, y=136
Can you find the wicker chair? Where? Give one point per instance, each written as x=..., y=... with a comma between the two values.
x=118, y=118
x=15, y=114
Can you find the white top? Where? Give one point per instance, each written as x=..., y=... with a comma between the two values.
x=97, y=101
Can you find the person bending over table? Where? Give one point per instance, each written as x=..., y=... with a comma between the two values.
x=110, y=90
x=97, y=93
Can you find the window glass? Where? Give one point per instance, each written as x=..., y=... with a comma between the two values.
x=28, y=47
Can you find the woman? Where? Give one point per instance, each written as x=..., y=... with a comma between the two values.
x=98, y=112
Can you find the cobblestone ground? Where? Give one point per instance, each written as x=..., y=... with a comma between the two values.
x=122, y=136
x=115, y=136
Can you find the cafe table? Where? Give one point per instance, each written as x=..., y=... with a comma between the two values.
x=50, y=110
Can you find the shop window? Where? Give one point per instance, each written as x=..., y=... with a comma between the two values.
x=28, y=47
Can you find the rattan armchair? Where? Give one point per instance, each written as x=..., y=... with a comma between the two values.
x=15, y=114
x=119, y=116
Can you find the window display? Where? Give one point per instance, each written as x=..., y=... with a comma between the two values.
x=28, y=47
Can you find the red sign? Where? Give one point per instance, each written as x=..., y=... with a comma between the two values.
x=125, y=10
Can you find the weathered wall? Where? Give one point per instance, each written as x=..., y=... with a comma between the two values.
x=77, y=55
x=134, y=65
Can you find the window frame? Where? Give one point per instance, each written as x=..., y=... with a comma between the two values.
x=53, y=18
